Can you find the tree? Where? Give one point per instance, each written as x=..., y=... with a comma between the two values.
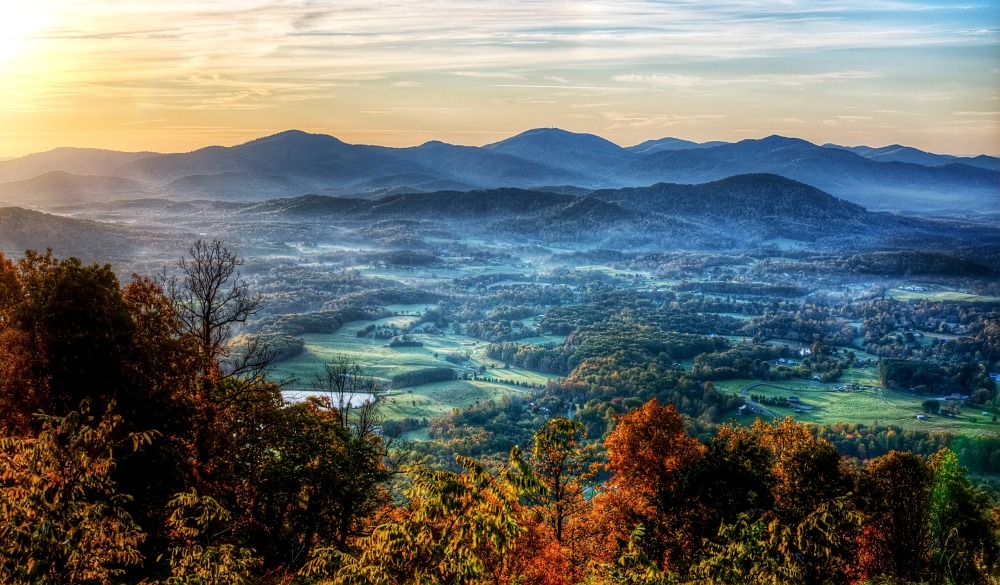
x=211, y=299
x=233, y=397
x=61, y=517
x=65, y=335
x=734, y=478
x=963, y=532
x=197, y=557
x=651, y=458
x=322, y=488
x=344, y=387
x=894, y=494
x=931, y=406
x=564, y=467
x=805, y=528
x=816, y=521
x=457, y=528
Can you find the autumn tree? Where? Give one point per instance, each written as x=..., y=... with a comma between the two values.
x=19, y=398
x=565, y=467
x=62, y=519
x=894, y=494
x=457, y=528
x=199, y=554
x=651, y=459
x=804, y=530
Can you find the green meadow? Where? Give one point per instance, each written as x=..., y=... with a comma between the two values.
x=821, y=404
x=383, y=362
x=953, y=296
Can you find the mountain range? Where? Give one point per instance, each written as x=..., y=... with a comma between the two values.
x=295, y=163
x=744, y=212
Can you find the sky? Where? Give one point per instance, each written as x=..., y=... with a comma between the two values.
x=178, y=75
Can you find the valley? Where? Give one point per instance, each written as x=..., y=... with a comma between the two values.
x=484, y=312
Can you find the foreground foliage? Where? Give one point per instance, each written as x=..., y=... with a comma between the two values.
x=140, y=445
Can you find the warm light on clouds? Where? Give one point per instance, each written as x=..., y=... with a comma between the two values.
x=179, y=75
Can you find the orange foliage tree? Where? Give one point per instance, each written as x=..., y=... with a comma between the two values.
x=562, y=538
x=651, y=458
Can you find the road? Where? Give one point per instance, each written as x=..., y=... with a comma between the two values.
x=757, y=407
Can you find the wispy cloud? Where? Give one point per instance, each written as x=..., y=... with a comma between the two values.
x=662, y=79
x=672, y=80
x=653, y=120
x=488, y=75
x=317, y=64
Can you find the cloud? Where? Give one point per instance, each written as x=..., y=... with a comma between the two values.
x=605, y=88
x=662, y=80
x=487, y=75
x=442, y=110
x=620, y=120
x=308, y=62
x=673, y=80
x=138, y=122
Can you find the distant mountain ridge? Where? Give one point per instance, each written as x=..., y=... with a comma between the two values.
x=63, y=188
x=293, y=163
x=743, y=208
x=78, y=161
x=742, y=212
x=908, y=154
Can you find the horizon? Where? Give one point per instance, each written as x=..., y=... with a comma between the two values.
x=4, y=157
x=176, y=77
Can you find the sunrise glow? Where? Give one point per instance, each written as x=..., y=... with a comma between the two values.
x=181, y=75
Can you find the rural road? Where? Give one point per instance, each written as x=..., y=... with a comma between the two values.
x=751, y=403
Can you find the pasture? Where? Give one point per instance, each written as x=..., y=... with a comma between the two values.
x=869, y=406
x=379, y=360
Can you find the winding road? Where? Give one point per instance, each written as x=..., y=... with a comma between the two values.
x=753, y=405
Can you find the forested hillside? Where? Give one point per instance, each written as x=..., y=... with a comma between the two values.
x=142, y=442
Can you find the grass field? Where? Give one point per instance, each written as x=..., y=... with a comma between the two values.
x=430, y=400
x=869, y=406
x=908, y=295
x=383, y=362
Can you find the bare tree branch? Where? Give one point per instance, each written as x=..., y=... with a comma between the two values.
x=211, y=300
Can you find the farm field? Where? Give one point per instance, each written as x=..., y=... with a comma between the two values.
x=438, y=398
x=908, y=295
x=383, y=362
x=868, y=406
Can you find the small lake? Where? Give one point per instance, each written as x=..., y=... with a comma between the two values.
x=300, y=394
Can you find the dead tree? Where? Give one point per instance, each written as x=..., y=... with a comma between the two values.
x=212, y=300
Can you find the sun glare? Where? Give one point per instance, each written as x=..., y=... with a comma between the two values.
x=20, y=25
